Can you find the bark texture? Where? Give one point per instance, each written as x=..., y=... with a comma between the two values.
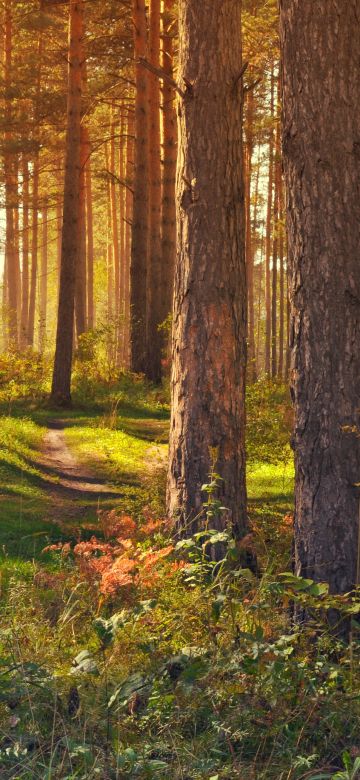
x=61, y=385
x=140, y=220
x=168, y=234
x=321, y=145
x=209, y=332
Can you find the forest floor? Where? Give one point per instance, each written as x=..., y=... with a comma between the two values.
x=125, y=655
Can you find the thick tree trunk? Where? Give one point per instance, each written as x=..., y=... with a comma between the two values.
x=321, y=146
x=140, y=221
x=169, y=166
x=209, y=333
x=25, y=252
x=154, y=307
x=43, y=279
x=61, y=385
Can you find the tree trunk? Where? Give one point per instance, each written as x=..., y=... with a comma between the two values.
x=128, y=232
x=80, y=287
x=169, y=167
x=154, y=307
x=35, y=199
x=61, y=385
x=209, y=332
x=25, y=252
x=10, y=187
x=34, y=250
x=114, y=218
x=282, y=279
x=321, y=146
x=248, y=242
x=89, y=234
x=268, y=237
x=140, y=221
x=109, y=245
x=43, y=279
x=274, y=276
x=122, y=225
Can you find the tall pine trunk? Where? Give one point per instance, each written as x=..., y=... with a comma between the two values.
x=89, y=233
x=61, y=384
x=43, y=279
x=168, y=214
x=25, y=252
x=140, y=220
x=249, y=243
x=154, y=287
x=10, y=186
x=209, y=330
x=321, y=146
x=268, y=236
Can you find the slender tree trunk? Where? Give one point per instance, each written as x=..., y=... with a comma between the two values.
x=61, y=385
x=154, y=306
x=209, y=336
x=128, y=232
x=10, y=185
x=35, y=203
x=169, y=166
x=282, y=279
x=140, y=221
x=114, y=218
x=43, y=279
x=34, y=249
x=25, y=252
x=122, y=225
x=89, y=233
x=59, y=222
x=109, y=250
x=268, y=237
x=249, y=243
x=80, y=288
x=274, y=276
x=321, y=145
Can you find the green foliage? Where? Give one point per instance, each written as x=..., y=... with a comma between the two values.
x=269, y=421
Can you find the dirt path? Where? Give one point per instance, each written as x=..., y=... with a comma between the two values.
x=74, y=490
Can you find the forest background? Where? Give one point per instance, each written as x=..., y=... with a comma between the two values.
x=128, y=650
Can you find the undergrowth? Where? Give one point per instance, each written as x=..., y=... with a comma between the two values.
x=126, y=654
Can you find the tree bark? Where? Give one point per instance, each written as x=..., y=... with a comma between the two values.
x=169, y=166
x=128, y=233
x=80, y=287
x=43, y=279
x=10, y=186
x=274, y=275
x=140, y=221
x=154, y=306
x=268, y=236
x=249, y=149
x=35, y=199
x=89, y=233
x=61, y=385
x=209, y=331
x=321, y=146
x=25, y=252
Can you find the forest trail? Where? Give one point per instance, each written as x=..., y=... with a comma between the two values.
x=75, y=489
